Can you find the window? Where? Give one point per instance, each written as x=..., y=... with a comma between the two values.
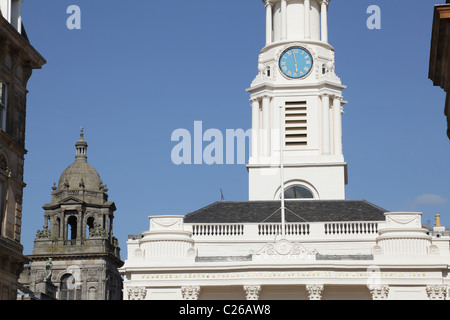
x=296, y=124
x=69, y=289
x=90, y=224
x=72, y=230
x=298, y=192
x=3, y=105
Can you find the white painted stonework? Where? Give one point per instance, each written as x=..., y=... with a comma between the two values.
x=343, y=249
x=12, y=11
x=319, y=162
x=395, y=259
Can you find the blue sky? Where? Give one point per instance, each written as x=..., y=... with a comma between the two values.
x=137, y=71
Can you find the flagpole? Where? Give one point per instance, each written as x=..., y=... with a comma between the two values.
x=283, y=226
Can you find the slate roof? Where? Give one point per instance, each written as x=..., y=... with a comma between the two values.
x=296, y=211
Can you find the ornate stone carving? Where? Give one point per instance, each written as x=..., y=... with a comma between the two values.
x=380, y=292
x=190, y=292
x=166, y=223
x=285, y=248
x=137, y=293
x=437, y=292
x=314, y=291
x=252, y=292
x=98, y=232
x=433, y=250
x=377, y=250
x=138, y=253
x=405, y=219
x=44, y=233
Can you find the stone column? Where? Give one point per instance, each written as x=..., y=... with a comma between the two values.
x=315, y=291
x=255, y=128
x=337, y=112
x=266, y=132
x=60, y=215
x=190, y=292
x=283, y=19
x=379, y=292
x=325, y=123
x=269, y=22
x=307, y=19
x=252, y=292
x=437, y=292
x=79, y=239
x=324, y=20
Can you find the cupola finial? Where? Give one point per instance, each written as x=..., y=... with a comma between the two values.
x=81, y=147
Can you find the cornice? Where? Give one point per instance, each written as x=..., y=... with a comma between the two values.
x=298, y=41
x=18, y=41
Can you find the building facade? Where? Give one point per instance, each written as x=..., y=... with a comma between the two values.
x=75, y=255
x=440, y=54
x=297, y=237
x=18, y=59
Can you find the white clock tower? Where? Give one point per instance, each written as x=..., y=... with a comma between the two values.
x=296, y=93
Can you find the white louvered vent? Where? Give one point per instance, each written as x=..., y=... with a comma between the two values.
x=296, y=124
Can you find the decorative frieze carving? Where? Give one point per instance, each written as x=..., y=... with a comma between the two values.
x=285, y=248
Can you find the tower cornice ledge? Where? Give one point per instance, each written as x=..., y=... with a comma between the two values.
x=297, y=42
x=295, y=86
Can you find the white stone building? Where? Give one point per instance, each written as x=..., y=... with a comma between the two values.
x=307, y=242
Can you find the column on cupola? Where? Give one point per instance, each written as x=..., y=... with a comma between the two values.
x=324, y=20
x=266, y=130
x=307, y=11
x=79, y=226
x=269, y=22
x=255, y=128
x=325, y=123
x=283, y=19
x=62, y=225
x=337, y=115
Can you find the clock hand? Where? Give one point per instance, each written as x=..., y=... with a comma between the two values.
x=295, y=60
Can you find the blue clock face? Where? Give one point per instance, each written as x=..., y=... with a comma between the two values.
x=296, y=63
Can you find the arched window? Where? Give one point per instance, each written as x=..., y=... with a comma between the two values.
x=90, y=223
x=72, y=230
x=298, y=192
x=92, y=292
x=69, y=289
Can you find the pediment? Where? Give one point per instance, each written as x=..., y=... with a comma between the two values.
x=70, y=200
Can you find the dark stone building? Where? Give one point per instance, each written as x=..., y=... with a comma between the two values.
x=75, y=255
x=17, y=61
x=439, y=71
